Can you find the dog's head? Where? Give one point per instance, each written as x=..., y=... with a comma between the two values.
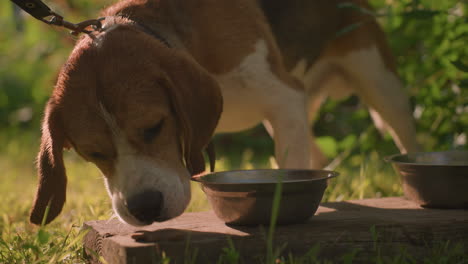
x=140, y=111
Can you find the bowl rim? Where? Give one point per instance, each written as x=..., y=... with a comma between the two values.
x=331, y=174
x=391, y=159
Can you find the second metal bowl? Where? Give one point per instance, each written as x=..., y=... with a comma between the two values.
x=434, y=179
x=245, y=197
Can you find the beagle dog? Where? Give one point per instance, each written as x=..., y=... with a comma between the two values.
x=142, y=97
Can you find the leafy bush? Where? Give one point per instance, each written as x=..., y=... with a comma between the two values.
x=428, y=39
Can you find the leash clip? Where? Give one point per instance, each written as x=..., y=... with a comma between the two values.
x=41, y=11
x=76, y=29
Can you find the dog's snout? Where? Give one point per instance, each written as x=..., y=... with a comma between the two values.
x=146, y=206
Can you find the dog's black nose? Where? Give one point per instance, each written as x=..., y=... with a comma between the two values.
x=146, y=206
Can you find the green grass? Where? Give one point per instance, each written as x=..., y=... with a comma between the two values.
x=60, y=242
x=431, y=53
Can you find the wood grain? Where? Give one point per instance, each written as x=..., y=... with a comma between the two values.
x=338, y=227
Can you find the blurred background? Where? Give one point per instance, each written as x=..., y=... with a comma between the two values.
x=429, y=39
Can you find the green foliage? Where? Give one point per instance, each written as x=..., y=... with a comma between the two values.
x=427, y=37
x=41, y=246
x=31, y=54
x=429, y=41
x=271, y=254
x=229, y=254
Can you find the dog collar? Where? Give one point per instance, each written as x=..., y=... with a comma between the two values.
x=153, y=33
x=110, y=21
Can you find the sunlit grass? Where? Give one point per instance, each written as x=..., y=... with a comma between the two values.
x=362, y=176
x=88, y=200
x=30, y=58
x=21, y=242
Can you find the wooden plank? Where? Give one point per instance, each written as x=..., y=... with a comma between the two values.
x=338, y=227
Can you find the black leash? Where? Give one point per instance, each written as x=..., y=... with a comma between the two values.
x=42, y=12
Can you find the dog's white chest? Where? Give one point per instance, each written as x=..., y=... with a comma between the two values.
x=251, y=92
x=240, y=110
x=244, y=92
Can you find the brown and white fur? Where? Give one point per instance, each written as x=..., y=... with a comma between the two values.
x=142, y=98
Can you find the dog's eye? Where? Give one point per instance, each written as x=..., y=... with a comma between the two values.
x=97, y=156
x=150, y=133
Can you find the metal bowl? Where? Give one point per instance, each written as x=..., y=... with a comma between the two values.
x=434, y=179
x=245, y=197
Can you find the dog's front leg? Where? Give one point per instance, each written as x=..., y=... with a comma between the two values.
x=290, y=131
x=266, y=91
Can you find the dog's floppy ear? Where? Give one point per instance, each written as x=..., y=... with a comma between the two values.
x=51, y=171
x=197, y=100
